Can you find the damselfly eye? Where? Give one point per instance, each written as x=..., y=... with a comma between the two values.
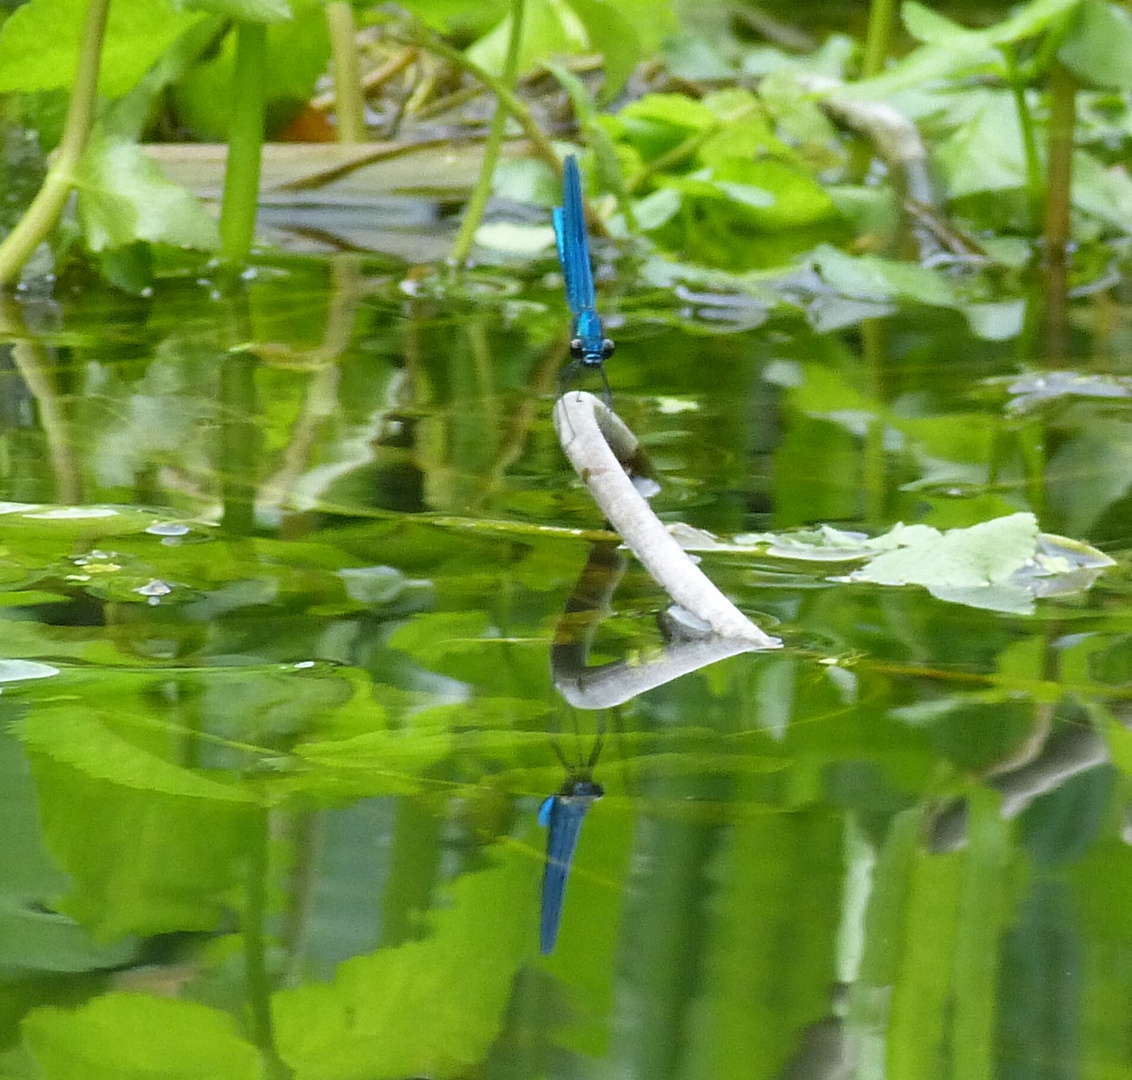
x=577, y=351
x=606, y=348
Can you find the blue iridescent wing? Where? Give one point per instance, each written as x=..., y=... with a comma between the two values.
x=573, y=242
x=563, y=818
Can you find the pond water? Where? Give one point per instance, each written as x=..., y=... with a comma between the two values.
x=282, y=568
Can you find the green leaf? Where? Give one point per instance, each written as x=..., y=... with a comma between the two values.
x=124, y=198
x=298, y=51
x=611, y=33
x=1102, y=191
x=39, y=43
x=1098, y=47
x=426, y=1008
x=114, y=842
x=929, y=27
x=874, y=278
x=121, y=1036
x=260, y=11
x=544, y=32
x=1029, y=20
x=985, y=153
x=971, y=566
x=75, y=735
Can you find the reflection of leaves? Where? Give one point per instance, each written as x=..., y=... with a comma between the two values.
x=1037, y=387
x=75, y=735
x=139, y=1037
x=429, y=1007
x=141, y=861
x=30, y=935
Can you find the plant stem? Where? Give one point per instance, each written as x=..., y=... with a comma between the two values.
x=45, y=208
x=1056, y=224
x=540, y=143
x=473, y=212
x=350, y=108
x=1029, y=139
x=878, y=38
x=245, y=144
x=1062, y=121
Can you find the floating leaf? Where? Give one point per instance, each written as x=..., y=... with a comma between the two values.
x=1001, y=564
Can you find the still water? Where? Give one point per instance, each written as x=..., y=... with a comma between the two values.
x=281, y=570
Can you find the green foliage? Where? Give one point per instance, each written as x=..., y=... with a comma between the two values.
x=428, y=1007
x=39, y=43
x=124, y=199
x=140, y=1037
x=298, y=51
x=264, y=11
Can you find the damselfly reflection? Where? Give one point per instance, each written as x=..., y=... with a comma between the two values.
x=562, y=815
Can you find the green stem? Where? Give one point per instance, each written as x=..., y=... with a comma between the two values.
x=473, y=212
x=1056, y=223
x=540, y=143
x=255, y=948
x=44, y=211
x=349, y=104
x=1034, y=187
x=878, y=39
x=245, y=143
x=1062, y=122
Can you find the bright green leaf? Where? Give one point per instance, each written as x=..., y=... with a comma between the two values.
x=258, y=11
x=930, y=27
x=39, y=43
x=426, y=1008
x=1028, y=20
x=123, y=198
x=1099, y=46
x=75, y=734
x=874, y=278
x=984, y=154
x=611, y=33
x=140, y=1037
